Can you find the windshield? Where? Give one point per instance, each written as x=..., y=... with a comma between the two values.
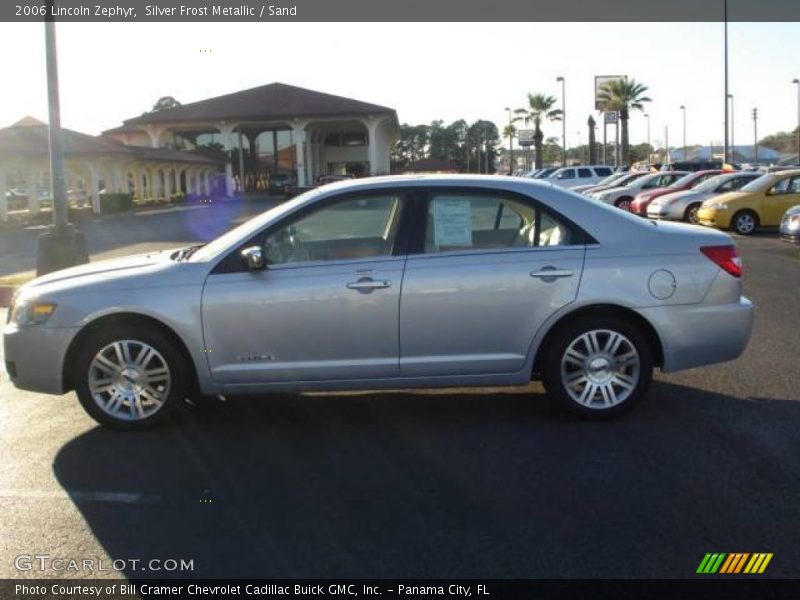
x=683, y=181
x=248, y=228
x=757, y=184
x=610, y=178
x=709, y=185
x=630, y=177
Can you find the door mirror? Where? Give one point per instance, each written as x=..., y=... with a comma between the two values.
x=253, y=258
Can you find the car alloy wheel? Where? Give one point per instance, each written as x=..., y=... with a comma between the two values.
x=691, y=214
x=600, y=369
x=744, y=223
x=129, y=380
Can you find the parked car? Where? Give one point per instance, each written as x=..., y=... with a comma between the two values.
x=621, y=197
x=761, y=202
x=605, y=182
x=687, y=182
x=571, y=176
x=544, y=173
x=683, y=206
x=308, y=296
x=624, y=178
x=698, y=165
x=790, y=225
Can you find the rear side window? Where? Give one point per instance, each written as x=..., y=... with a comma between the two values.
x=566, y=174
x=602, y=171
x=465, y=221
x=584, y=173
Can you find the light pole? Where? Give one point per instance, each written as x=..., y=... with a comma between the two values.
x=683, y=108
x=755, y=135
x=725, y=18
x=733, y=124
x=647, y=116
x=797, y=83
x=510, y=143
x=580, y=150
x=563, y=121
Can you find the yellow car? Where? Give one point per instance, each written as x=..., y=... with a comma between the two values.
x=761, y=202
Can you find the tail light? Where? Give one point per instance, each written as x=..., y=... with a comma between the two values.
x=725, y=257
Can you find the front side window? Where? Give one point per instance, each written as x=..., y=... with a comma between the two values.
x=457, y=221
x=782, y=187
x=567, y=174
x=349, y=228
x=582, y=173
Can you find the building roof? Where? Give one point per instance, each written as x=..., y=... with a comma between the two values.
x=274, y=101
x=29, y=138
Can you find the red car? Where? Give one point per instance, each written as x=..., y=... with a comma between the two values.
x=687, y=182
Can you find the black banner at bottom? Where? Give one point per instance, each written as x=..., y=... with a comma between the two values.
x=721, y=588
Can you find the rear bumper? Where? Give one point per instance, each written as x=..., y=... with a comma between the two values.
x=35, y=357
x=700, y=334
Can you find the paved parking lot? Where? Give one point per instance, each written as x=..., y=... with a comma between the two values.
x=455, y=483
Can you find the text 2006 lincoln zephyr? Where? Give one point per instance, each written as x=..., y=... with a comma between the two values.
x=393, y=282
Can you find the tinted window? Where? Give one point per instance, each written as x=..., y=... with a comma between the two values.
x=584, y=173
x=603, y=171
x=566, y=174
x=464, y=221
x=346, y=229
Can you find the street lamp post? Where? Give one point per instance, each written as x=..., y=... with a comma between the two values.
x=647, y=116
x=797, y=83
x=62, y=246
x=725, y=18
x=755, y=135
x=510, y=144
x=563, y=121
x=733, y=125
x=683, y=108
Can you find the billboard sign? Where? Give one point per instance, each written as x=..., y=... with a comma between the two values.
x=525, y=137
x=600, y=81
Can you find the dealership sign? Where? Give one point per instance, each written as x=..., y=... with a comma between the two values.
x=525, y=137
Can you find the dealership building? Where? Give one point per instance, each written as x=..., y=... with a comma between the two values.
x=274, y=129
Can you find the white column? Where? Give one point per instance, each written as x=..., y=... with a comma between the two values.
x=206, y=183
x=167, y=173
x=299, y=133
x=33, y=192
x=227, y=134
x=155, y=135
x=372, y=148
x=94, y=184
x=3, y=199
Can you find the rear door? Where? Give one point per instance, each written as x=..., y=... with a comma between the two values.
x=493, y=266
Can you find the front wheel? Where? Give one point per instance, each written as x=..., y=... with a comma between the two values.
x=129, y=377
x=598, y=367
x=690, y=216
x=744, y=222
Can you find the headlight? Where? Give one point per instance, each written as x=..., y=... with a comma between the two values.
x=793, y=222
x=30, y=311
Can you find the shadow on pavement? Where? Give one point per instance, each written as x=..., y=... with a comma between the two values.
x=448, y=484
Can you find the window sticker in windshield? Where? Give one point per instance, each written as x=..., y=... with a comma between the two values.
x=452, y=222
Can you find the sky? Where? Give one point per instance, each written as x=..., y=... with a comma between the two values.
x=426, y=71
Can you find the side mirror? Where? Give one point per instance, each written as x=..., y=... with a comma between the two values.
x=253, y=258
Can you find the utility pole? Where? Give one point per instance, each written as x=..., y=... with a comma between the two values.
x=755, y=134
x=62, y=246
x=725, y=18
x=563, y=122
x=797, y=83
x=683, y=108
x=510, y=143
x=733, y=125
x=649, y=148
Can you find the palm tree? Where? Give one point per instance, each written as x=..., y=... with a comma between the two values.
x=539, y=107
x=510, y=132
x=622, y=95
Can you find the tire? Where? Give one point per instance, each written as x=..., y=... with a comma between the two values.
x=130, y=377
x=624, y=203
x=605, y=380
x=690, y=215
x=744, y=222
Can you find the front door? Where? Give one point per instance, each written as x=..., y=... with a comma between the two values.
x=325, y=308
x=494, y=268
x=780, y=198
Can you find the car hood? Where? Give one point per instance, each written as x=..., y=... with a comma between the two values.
x=727, y=197
x=140, y=270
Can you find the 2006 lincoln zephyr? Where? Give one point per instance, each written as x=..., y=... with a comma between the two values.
x=392, y=282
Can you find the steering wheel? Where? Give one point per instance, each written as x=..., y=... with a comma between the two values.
x=285, y=247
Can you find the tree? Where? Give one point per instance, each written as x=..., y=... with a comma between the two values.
x=510, y=132
x=165, y=103
x=484, y=137
x=539, y=107
x=621, y=96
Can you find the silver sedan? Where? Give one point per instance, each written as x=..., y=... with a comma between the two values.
x=386, y=283
x=683, y=206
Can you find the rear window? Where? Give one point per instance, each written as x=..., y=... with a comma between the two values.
x=602, y=171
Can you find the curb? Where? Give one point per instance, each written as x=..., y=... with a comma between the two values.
x=6, y=293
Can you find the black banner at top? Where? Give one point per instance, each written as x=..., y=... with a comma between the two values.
x=393, y=10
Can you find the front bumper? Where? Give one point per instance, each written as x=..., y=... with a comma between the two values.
x=701, y=334
x=664, y=213
x=793, y=237
x=713, y=218
x=35, y=356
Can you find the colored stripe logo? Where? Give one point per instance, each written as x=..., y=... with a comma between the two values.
x=734, y=563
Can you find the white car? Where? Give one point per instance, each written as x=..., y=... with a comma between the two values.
x=621, y=197
x=570, y=177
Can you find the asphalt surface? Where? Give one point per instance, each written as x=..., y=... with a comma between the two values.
x=453, y=483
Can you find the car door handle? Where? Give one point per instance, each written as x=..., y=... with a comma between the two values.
x=552, y=273
x=368, y=284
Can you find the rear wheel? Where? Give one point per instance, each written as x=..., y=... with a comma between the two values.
x=129, y=377
x=690, y=216
x=598, y=367
x=744, y=222
x=624, y=203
